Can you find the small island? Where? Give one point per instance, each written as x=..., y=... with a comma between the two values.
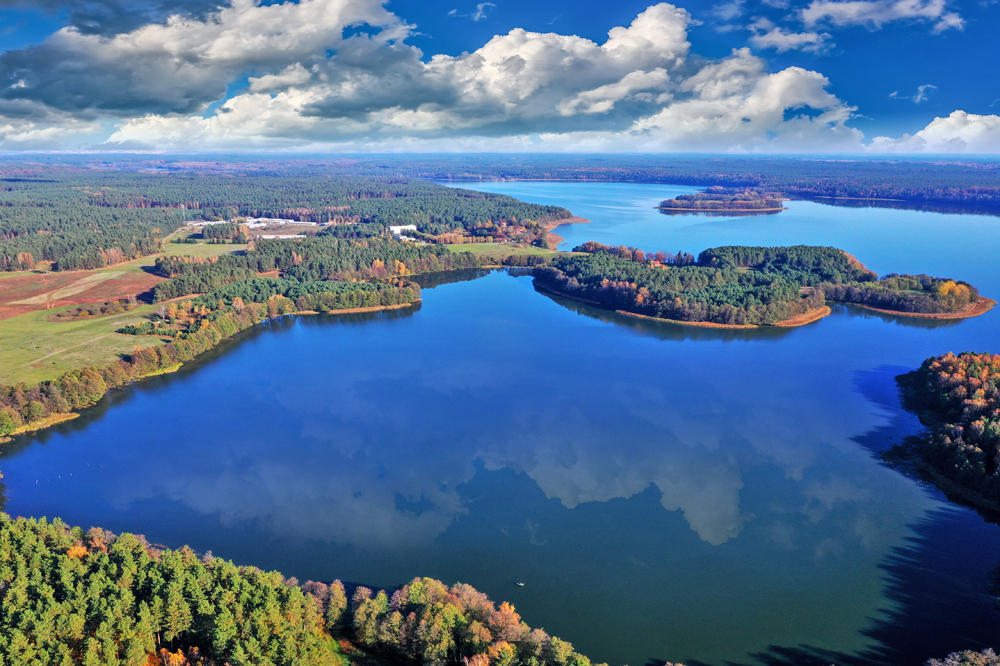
x=724, y=200
x=957, y=398
x=745, y=287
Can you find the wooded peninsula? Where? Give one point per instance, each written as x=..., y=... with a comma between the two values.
x=957, y=398
x=746, y=286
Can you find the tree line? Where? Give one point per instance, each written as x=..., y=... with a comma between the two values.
x=94, y=598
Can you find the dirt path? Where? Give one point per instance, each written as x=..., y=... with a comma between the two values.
x=83, y=284
x=60, y=351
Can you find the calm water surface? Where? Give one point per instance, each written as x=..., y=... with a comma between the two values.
x=664, y=492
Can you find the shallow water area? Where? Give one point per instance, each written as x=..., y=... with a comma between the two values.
x=666, y=493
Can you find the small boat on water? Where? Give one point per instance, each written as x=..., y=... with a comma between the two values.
x=519, y=584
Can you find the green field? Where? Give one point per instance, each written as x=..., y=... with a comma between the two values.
x=501, y=250
x=33, y=350
x=176, y=249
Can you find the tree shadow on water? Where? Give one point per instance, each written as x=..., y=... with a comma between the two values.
x=941, y=585
x=941, y=596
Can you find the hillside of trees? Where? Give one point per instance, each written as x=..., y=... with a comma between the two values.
x=99, y=599
x=57, y=215
x=957, y=398
x=739, y=285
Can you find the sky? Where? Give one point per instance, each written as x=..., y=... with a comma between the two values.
x=740, y=76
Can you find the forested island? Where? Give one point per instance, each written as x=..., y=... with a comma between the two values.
x=957, y=398
x=94, y=598
x=746, y=286
x=724, y=200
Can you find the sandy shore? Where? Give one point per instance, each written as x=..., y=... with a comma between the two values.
x=798, y=320
x=554, y=239
x=804, y=318
x=980, y=307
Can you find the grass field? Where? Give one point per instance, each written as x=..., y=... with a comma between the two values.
x=501, y=250
x=178, y=249
x=34, y=350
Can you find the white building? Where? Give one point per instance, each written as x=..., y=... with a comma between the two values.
x=398, y=230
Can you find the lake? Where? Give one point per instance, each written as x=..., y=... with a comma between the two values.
x=665, y=493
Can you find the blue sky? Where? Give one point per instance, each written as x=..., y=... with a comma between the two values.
x=723, y=75
x=865, y=66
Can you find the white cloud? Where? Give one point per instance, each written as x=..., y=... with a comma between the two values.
x=728, y=11
x=317, y=86
x=481, y=10
x=876, y=13
x=768, y=36
x=960, y=132
x=921, y=95
x=639, y=90
x=184, y=64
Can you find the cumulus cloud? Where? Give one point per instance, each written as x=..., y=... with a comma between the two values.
x=111, y=17
x=875, y=13
x=641, y=89
x=960, y=132
x=339, y=74
x=186, y=63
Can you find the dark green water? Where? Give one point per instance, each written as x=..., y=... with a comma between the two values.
x=664, y=492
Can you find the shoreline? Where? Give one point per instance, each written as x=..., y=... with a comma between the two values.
x=54, y=419
x=34, y=426
x=701, y=324
x=980, y=307
x=792, y=322
x=555, y=240
x=805, y=318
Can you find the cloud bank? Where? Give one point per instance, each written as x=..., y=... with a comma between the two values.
x=340, y=75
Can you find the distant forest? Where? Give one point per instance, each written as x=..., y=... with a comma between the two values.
x=64, y=217
x=739, y=285
x=960, y=184
x=99, y=599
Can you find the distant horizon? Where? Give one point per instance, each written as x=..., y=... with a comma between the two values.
x=842, y=157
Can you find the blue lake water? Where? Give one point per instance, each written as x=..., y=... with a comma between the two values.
x=666, y=493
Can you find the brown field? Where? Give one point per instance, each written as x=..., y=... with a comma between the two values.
x=33, y=291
